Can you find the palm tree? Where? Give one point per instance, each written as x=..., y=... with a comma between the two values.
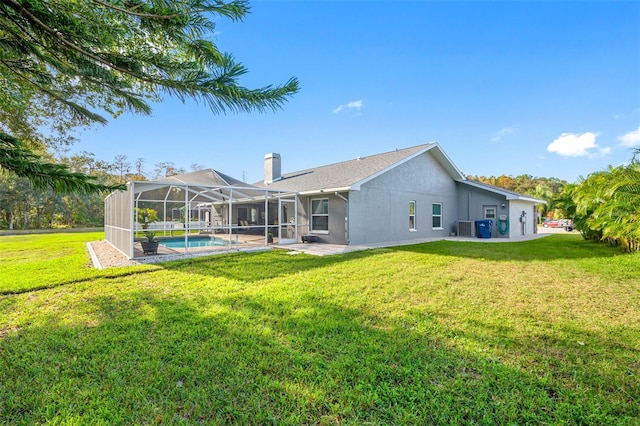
x=624, y=207
x=607, y=205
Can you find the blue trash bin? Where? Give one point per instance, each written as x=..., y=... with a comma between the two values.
x=483, y=228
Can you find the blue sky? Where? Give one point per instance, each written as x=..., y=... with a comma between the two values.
x=542, y=88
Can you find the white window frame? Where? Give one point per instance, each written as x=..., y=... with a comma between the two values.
x=491, y=208
x=412, y=223
x=433, y=216
x=312, y=215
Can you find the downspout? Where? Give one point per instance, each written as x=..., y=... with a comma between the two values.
x=164, y=218
x=212, y=218
x=346, y=219
x=230, y=216
x=133, y=220
x=266, y=217
x=187, y=215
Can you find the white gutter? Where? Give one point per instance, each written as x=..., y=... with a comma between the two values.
x=326, y=190
x=525, y=198
x=509, y=195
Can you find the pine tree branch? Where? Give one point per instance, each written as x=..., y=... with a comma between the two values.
x=72, y=46
x=112, y=55
x=139, y=14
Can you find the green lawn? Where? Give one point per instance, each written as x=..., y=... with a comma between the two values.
x=538, y=332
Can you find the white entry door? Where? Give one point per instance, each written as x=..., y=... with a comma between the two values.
x=491, y=212
x=287, y=218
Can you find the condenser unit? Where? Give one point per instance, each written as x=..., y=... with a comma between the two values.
x=466, y=228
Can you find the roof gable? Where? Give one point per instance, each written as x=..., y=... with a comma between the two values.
x=352, y=174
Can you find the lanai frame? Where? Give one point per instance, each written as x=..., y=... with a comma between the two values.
x=123, y=222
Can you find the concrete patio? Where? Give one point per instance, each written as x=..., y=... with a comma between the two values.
x=322, y=249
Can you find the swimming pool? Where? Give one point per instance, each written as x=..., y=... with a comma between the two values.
x=193, y=242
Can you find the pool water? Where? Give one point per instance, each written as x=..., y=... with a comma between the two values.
x=193, y=242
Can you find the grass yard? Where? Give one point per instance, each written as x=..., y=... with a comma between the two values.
x=538, y=332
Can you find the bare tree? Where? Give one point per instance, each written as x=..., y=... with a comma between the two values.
x=166, y=169
x=197, y=167
x=140, y=167
x=122, y=166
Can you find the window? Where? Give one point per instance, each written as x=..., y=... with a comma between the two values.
x=436, y=215
x=320, y=215
x=412, y=215
x=490, y=212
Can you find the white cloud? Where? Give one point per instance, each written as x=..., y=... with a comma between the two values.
x=504, y=132
x=630, y=139
x=577, y=145
x=357, y=105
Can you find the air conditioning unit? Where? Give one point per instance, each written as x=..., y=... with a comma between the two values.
x=466, y=228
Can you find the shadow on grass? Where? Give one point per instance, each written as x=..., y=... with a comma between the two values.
x=252, y=267
x=570, y=354
x=144, y=357
x=112, y=274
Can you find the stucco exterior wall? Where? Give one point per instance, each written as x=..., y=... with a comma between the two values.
x=379, y=211
x=471, y=203
x=516, y=226
x=337, y=218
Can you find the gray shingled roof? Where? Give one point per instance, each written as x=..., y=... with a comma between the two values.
x=206, y=177
x=510, y=195
x=347, y=173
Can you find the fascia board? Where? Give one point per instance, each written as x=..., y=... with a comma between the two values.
x=485, y=188
x=446, y=162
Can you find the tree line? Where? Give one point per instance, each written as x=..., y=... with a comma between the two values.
x=542, y=188
x=23, y=206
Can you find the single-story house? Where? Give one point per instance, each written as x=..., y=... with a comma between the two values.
x=406, y=194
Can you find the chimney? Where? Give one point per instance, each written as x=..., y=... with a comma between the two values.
x=271, y=168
